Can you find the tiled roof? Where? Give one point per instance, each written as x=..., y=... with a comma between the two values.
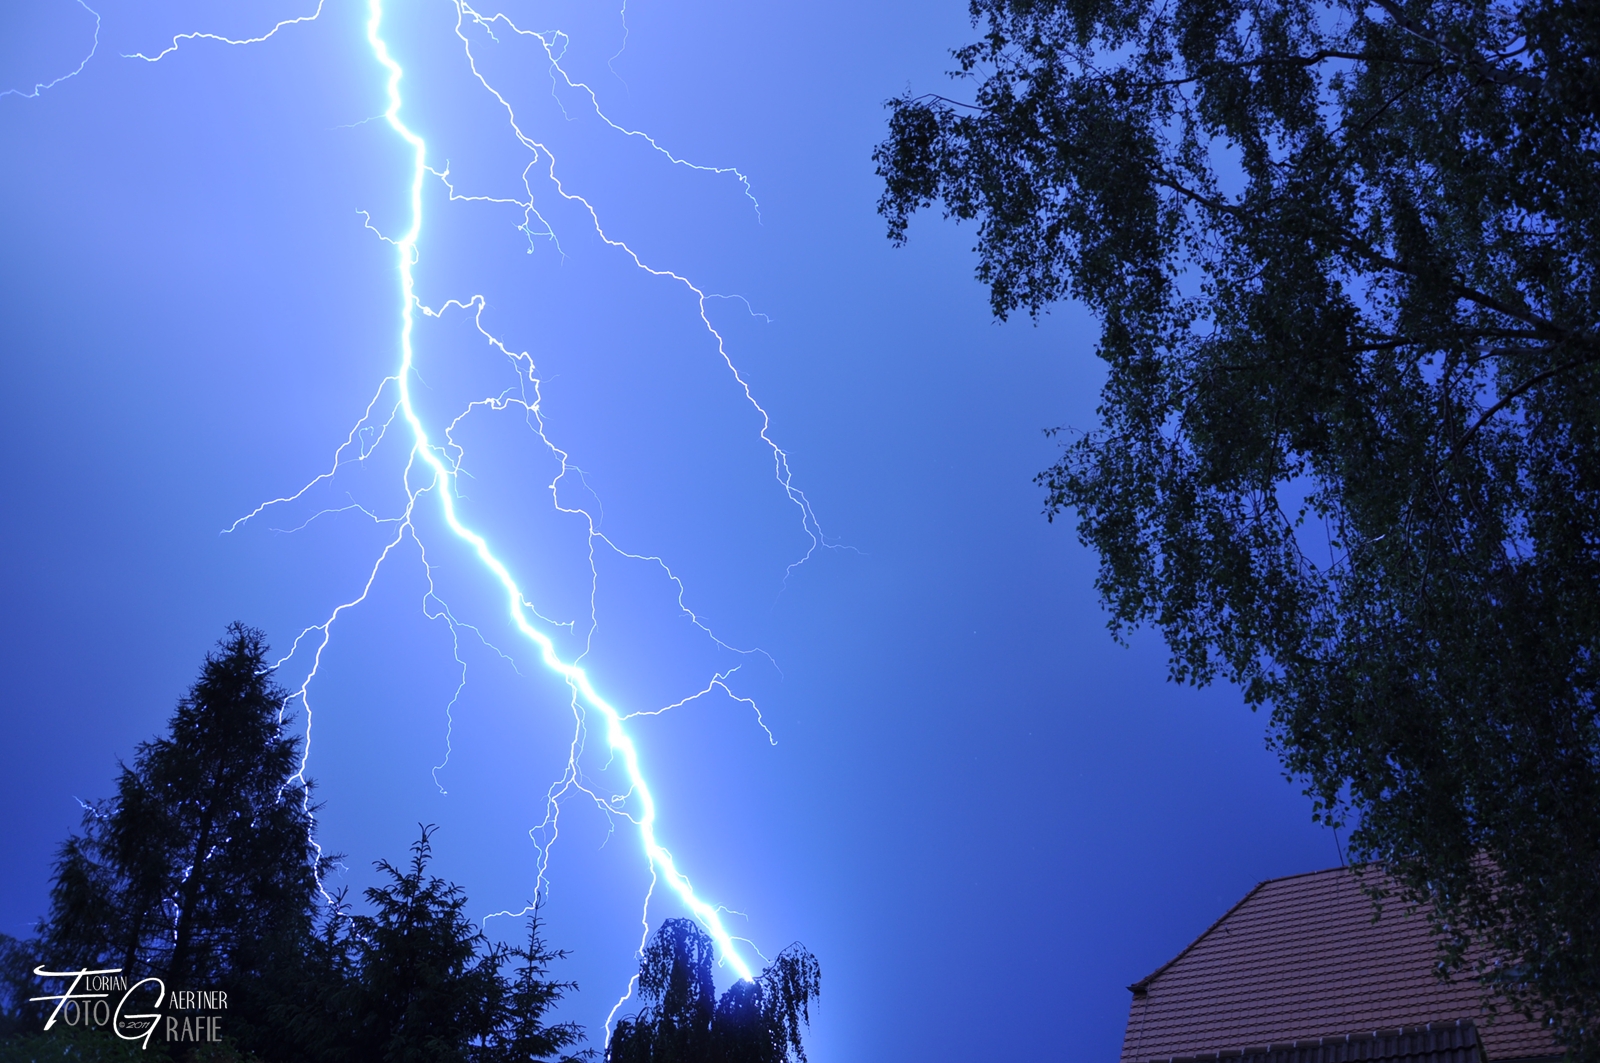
x=1455, y=1042
x=1301, y=959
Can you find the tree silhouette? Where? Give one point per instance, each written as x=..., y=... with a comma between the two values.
x=202, y=870
x=520, y=1031
x=757, y=1021
x=417, y=981
x=1345, y=258
x=428, y=984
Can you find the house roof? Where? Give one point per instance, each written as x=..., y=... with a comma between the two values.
x=1455, y=1042
x=1300, y=960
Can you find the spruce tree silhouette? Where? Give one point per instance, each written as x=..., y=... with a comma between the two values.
x=202, y=870
x=429, y=984
x=416, y=980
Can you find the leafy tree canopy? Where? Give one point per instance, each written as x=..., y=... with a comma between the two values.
x=1344, y=256
x=759, y=1021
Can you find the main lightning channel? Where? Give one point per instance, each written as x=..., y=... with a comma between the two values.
x=575, y=677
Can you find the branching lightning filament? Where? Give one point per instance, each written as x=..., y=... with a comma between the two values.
x=435, y=464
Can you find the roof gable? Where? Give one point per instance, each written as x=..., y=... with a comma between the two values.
x=1301, y=958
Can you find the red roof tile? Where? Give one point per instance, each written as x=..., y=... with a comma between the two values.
x=1452, y=1042
x=1301, y=958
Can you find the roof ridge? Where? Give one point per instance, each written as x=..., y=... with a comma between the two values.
x=1346, y=868
x=1143, y=984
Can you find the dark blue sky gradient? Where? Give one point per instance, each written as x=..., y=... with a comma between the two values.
x=982, y=815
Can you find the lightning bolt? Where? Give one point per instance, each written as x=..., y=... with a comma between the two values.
x=576, y=678
x=434, y=465
x=41, y=86
x=180, y=38
x=443, y=470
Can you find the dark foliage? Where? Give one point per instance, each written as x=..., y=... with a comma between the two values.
x=75, y=1044
x=417, y=981
x=1344, y=255
x=427, y=987
x=201, y=871
x=760, y=1021
x=520, y=1031
x=17, y=960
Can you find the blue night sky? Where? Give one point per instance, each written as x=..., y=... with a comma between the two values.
x=982, y=815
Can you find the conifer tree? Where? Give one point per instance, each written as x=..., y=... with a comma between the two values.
x=416, y=980
x=202, y=870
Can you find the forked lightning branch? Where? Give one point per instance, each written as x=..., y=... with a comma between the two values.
x=433, y=465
